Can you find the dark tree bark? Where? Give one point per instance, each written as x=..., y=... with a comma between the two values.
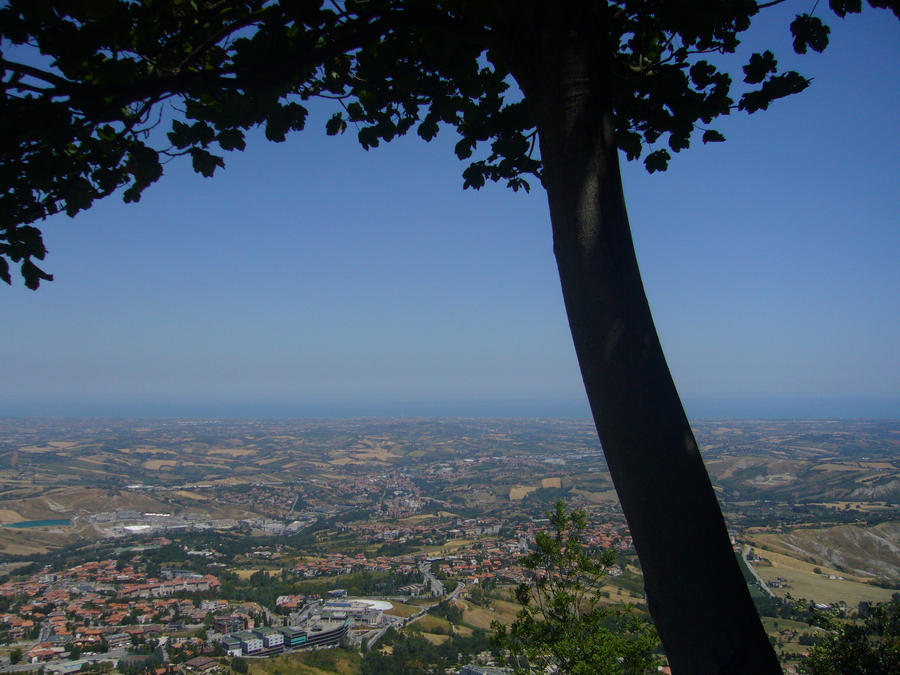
x=695, y=591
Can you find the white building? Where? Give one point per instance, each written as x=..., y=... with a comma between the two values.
x=250, y=642
x=270, y=637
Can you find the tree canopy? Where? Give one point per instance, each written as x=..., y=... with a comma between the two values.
x=97, y=95
x=563, y=625
x=870, y=646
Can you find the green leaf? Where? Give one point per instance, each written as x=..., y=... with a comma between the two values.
x=702, y=74
x=892, y=5
x=336, y=125
x=106, y=133
x=144, y=165
x=368, y=137
x=284, y=118
x=4, y=271
x=231, y=139
x=712, y=136
x=844, y=7
x=517, y=184
x=30, y=241
x=759, y=66
x=463, y=148
x=180, y=136
x=33, y=275
x=355, y=112
x=205, y=163
x=658, y=160
x=474, y=176
x=809, y=31
x=679, y=141
x=132, y=195
x=428, y=129
x=629, y=142
x=775, y=87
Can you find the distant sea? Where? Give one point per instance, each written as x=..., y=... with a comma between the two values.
x=787, y=407
x=698, y=407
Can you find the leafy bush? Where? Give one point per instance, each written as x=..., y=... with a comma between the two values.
x=562, y=627
x=871, y=647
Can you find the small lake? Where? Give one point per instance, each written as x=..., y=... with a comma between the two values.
x=39, y=523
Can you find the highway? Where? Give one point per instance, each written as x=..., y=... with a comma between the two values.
x=112, y=655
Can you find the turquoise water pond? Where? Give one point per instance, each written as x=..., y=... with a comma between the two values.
x=39, y=523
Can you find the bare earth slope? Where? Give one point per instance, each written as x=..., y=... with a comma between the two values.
x=864, y=551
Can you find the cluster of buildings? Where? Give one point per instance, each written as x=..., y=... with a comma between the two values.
x=487, y=556
x=318, y=622
x=270, y=641
x=98, y=602
x=109, y=605
x=379, y=531
x=114, y=604
x=124, y=523
x=339, y=563
x=185, y=582
x=268, y=498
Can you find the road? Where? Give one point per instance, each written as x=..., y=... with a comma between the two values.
x=745, y=551
x=437, y=588
x=113, y=655
x=372, y=639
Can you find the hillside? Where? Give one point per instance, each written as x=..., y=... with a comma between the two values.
x=871, y=552
x=824, y=491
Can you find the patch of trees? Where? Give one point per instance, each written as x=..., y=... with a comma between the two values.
x=775, y=607
x=395, y=548
x=448, y=611
x=413, y=654
x=264, y=588
x=481, y=594
x=23, y=571
x=766, y=514
x=870, y=646
x=139, y=663
x=546, y=497
x=170, y=553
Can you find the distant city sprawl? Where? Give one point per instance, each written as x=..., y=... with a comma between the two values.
x=197, y=545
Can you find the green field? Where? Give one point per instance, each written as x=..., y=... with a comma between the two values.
x=318, y=662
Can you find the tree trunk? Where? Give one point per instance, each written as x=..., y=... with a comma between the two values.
x=696, y=593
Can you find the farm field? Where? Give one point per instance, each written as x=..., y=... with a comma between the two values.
x=803, y=582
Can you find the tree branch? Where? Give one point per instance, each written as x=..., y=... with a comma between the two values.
x=221, y=34
x=765, y=5
x=37, y=73
x=27, y=87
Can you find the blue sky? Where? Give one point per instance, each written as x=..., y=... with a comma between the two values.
x=314, y=278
